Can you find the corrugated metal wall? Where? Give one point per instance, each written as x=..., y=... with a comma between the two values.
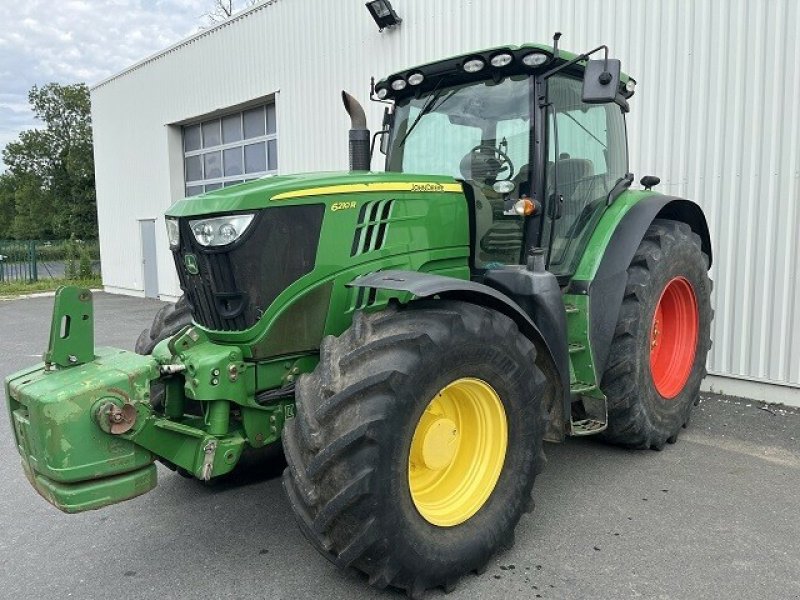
x=716, y=116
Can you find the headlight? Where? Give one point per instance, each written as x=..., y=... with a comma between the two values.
x=173, y=233
x=220, y=231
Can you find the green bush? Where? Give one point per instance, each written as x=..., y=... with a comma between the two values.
x=59, y=249
x=85, y=264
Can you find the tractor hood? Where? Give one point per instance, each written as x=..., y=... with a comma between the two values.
x=305, y=187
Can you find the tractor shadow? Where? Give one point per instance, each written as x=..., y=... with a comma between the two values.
x=254, y=467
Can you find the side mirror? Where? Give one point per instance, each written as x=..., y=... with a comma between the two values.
x=601, y=81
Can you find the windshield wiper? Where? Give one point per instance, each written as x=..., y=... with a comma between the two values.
x=428, y=107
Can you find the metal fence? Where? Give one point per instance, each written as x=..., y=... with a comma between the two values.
x=35, y=260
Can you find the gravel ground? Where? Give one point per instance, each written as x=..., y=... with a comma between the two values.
x=714, y=516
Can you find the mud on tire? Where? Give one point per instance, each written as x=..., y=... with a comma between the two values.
x=348, y=446
x=638, y=416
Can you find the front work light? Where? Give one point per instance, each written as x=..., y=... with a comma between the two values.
x=399, y=84
x=501, y=60
x=535, y=59
x=220, y=231
x=173, y=233
x=504, y=187
x=416, y=78
x=383, y=13
x=474, y=65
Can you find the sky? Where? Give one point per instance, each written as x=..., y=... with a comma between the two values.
x=70, y=41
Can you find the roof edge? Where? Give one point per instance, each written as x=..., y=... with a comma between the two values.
x=184, y=42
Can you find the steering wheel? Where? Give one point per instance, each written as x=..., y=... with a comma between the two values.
x=503, y=161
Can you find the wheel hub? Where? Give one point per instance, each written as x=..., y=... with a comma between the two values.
x=673, y=337
x=457, y=452
x=439, y=443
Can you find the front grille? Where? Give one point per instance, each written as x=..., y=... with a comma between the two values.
x=235, y=284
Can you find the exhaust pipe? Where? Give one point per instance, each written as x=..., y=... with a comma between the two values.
x=359, y=134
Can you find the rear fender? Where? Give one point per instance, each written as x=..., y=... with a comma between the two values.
x=606, y=289
x=426, y=285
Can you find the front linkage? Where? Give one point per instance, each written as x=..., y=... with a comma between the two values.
x=88, y=429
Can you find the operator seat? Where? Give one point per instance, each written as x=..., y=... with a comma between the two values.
x=570, y=172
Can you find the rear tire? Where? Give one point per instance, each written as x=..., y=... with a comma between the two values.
x=648, y=404
x=349, y=449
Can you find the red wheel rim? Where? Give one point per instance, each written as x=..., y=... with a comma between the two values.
x=673, y=337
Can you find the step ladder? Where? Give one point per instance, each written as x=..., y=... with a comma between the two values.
x=583, y=381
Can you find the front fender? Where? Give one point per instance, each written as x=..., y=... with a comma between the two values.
x=426, y=285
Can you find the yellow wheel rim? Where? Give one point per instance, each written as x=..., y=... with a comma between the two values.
x=457, y=452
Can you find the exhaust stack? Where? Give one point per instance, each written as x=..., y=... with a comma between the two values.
x=359, y=134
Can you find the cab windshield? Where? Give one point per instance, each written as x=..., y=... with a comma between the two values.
x=479, y=132
x=455, y=121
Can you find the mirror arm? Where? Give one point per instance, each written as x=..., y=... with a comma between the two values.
x=375, y=137
x=577, y=59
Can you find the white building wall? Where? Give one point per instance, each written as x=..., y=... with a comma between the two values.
x=716, y=116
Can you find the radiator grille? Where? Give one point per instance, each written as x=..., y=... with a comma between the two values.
x=235, y=284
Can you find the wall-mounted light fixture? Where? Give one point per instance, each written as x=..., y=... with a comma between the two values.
x=383, y=13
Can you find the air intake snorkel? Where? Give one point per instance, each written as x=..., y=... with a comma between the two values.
x=359, y=134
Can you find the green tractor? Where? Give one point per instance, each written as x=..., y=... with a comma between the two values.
x=411, y=339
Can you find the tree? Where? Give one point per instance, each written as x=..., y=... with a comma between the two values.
x=7, y=205
x=224, y=9
x=51, y=169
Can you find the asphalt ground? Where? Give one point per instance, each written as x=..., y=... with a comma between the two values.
x=714, y=516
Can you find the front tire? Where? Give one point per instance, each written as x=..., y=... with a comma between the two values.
x=658, y=355
x=380, y=407
x=169, y=320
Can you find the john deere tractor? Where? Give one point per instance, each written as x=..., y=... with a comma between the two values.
x=411, y=336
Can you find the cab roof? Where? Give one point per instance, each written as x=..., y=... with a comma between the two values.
x=453, y=68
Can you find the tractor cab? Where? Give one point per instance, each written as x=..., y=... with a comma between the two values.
x=541, y=154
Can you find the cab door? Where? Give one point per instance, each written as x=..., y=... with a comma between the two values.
x=587, y=155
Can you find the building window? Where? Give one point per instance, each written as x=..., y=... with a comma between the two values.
x=228, y=150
